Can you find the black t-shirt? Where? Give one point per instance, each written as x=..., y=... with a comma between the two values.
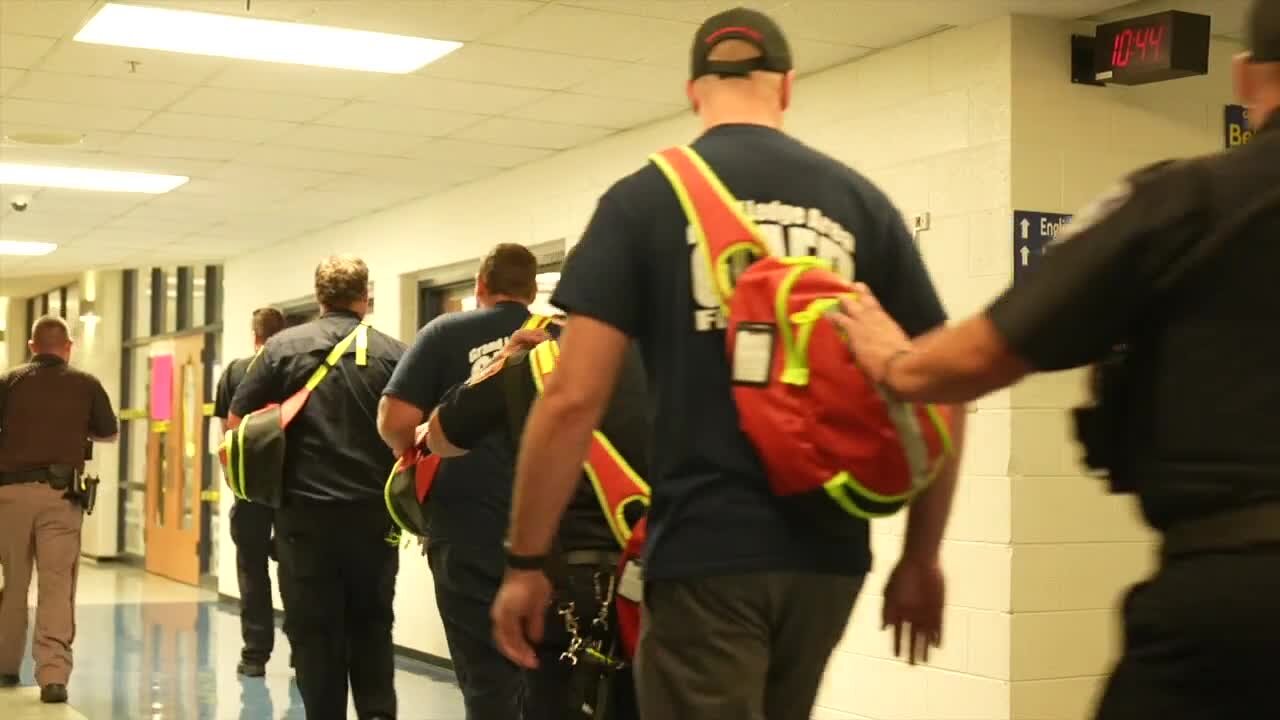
x=637, y=270
x=334, y=452
x=471, y=498
x=1148, y=265
x=227, y=384
x=500, y=401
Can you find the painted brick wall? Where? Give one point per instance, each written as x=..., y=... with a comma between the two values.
x=1075, y=548
x=930, y=121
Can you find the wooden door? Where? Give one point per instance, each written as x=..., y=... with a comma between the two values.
x=175, y=449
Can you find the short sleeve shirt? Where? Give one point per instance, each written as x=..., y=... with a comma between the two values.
x=471, y=498
x=501, y=400
x=230, y=379
x=334, y=452
x=48, y=412
x=637, y=270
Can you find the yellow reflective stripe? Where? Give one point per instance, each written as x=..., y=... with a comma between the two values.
x=536, y=322
x=336, y=354
x=944, y=435
x=244, y=423
x=317, y=377
x=386, y=496
x=613, y=515
x=795, y=365
x=362, y=345
x=542, y=360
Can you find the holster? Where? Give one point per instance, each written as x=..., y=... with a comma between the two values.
x=1102, y=428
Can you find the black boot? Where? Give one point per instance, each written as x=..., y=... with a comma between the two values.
x=53, y=693
x=8, y=681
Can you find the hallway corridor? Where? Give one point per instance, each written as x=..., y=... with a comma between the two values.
x=151, y=649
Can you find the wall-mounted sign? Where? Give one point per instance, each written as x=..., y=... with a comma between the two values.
x=1152, y=48
x=1236, y=125
x=1032, y=231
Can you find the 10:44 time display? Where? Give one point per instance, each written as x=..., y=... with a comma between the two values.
x=1140, y=44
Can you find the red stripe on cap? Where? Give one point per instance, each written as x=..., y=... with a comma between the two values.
x=753, y=34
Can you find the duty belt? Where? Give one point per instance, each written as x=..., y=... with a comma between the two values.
x=1231, y=530
x=40, y=475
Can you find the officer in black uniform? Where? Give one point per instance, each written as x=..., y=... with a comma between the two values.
x=251, y=523
x=588, y=554
x=338, y=569
x=1168, y=283
x=471, y=497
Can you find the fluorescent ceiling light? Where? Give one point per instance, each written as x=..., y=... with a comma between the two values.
x=73, y=178
x=232, y=36
x=26, y=248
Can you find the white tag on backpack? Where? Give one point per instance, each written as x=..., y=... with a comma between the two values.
x=631, y=586
x=753, y=353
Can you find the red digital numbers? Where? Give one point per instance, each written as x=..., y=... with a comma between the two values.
x=1144, y=44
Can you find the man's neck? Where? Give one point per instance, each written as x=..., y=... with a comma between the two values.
x=495, y=300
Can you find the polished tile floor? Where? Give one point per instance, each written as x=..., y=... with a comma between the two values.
x=151, y=649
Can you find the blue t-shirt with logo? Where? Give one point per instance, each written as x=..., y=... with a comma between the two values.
x=471, y=497
x=637, y=269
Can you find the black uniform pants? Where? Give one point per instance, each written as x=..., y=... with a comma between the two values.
x=251, y=532
x=554, y=691
x=747, y=647
x=1200, y=641
x=466, y=581
x=341, y=578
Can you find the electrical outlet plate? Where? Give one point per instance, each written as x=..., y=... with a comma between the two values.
x=920, y=222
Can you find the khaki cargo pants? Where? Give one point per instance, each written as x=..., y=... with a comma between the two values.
x=38, y=524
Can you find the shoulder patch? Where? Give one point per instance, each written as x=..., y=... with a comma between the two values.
x=489, y=371
x=1096, y=211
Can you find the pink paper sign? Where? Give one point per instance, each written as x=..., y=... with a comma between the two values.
x=161, y=387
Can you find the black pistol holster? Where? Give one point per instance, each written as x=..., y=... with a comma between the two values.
x=1103, y=427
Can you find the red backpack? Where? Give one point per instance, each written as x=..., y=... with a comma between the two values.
x=835, y=445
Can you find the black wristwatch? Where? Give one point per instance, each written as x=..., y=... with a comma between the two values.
x=516, y=561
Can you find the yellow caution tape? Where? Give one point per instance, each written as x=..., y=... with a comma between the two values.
x=160, y=426
x=210, y=496
x=133, y=414
x=208, y=409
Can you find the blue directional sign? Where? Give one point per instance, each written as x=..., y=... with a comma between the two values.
x=1236, y=128
x=1032, y=231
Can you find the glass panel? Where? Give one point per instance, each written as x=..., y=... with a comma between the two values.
x=135, y=542
x=198, y=297
x=55, y=303
x=162, y=487
x=170, y=299
x=73, y=312
x=192, y=420
x=142, y=303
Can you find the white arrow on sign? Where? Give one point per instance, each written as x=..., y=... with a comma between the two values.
x=1026, y=254
x=1026, y=227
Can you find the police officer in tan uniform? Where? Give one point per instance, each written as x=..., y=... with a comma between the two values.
x=49, y=412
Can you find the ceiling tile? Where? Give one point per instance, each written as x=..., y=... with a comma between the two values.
x=297, y=80
x=691, y=11
x=105, y=92
x=176, y=147
x=443, y=94
x=531, y=133
x=442, y=19
x=66, y=116
x=115, y=239
x=866, y=23
x=357, y=185
x=44, y=17
x=461, y=152
x=109, y=61
x=9, y=78
x=395, y=118
x=405, y=170
x=256, y=105
x=22, y=51
x=90, y=141
x=215, y=128
x=813, y=55
x=193, y=168
x=257, y=176
x=611, y=113
x=590, y=33
x=664, y=83
x=519, y=68
x=36, y=224
x=305, y=158
x=322, y=137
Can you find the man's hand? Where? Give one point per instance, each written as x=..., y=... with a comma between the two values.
x=874, y=338
x=913, y=602
x=519, y=615
x=420, y=435
x=525, y=339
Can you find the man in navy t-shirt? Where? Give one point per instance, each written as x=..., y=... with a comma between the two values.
x=743, y=604
x=471, y=499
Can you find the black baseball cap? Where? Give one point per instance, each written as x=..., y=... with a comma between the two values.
x=1263, y=31
x=740, y=24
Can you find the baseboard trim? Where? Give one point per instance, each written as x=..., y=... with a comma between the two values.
x=409, y=653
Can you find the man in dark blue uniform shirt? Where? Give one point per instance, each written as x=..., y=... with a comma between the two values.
x=471, y=498
x=251, y=523
x=1168, y=282
x=331, y=533
x=769, y=597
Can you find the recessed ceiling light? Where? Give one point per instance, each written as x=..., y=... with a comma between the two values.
x=26, y=248
x=73, y=178
x=231, y=36
x=45, y=138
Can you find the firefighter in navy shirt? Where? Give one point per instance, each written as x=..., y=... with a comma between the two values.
x=1166, y=285
x=587, y=550
x=769, y=596
x=471, y=498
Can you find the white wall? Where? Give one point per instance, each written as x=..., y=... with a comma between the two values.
x=1075, y=548
x=97, y=351
x=930, y=122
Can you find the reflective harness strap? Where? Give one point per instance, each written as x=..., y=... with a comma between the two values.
x=615, y=483
x=536, y=322
x=361, y=338
x=722, y=230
